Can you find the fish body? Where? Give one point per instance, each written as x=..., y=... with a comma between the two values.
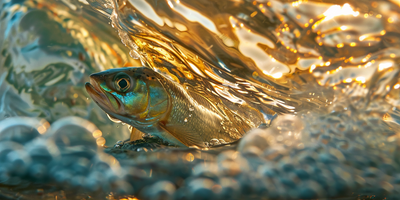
x=155, y=104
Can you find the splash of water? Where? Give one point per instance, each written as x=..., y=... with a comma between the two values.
x=281, y=57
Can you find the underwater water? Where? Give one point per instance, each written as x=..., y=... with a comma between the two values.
x=324, y=74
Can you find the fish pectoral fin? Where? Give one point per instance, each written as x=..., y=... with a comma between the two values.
x=135, y=134
x=201, y=100
x=184, y=135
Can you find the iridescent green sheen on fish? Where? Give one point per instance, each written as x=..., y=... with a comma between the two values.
x=155, y=104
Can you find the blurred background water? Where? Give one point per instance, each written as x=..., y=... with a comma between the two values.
x=48, y=50
x=329, y=70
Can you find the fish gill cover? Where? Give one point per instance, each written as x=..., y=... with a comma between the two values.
x=329, y=70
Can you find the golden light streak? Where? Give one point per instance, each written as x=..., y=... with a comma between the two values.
x=170, y=4
x=348, y=80
x=361, y=79
x=312, y=68
x=385, y=65
x=277, y=75
x=337, y=10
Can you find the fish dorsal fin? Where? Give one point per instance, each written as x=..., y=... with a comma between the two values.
x=190, y=137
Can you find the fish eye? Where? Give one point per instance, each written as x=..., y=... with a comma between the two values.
x=122, y=84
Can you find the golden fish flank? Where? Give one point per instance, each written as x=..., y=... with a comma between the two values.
x=156, y=105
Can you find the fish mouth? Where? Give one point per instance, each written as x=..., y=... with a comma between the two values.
x=100, y=97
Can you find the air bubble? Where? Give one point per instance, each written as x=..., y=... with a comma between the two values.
x=191, y=108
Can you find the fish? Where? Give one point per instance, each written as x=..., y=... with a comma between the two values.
x=155, y=104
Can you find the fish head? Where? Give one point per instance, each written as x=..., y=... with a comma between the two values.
x=133, y=95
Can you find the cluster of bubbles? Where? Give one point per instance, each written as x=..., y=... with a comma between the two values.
x=66, y=152
x=290, y=159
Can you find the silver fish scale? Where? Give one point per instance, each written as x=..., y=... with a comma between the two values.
x=195, y=118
